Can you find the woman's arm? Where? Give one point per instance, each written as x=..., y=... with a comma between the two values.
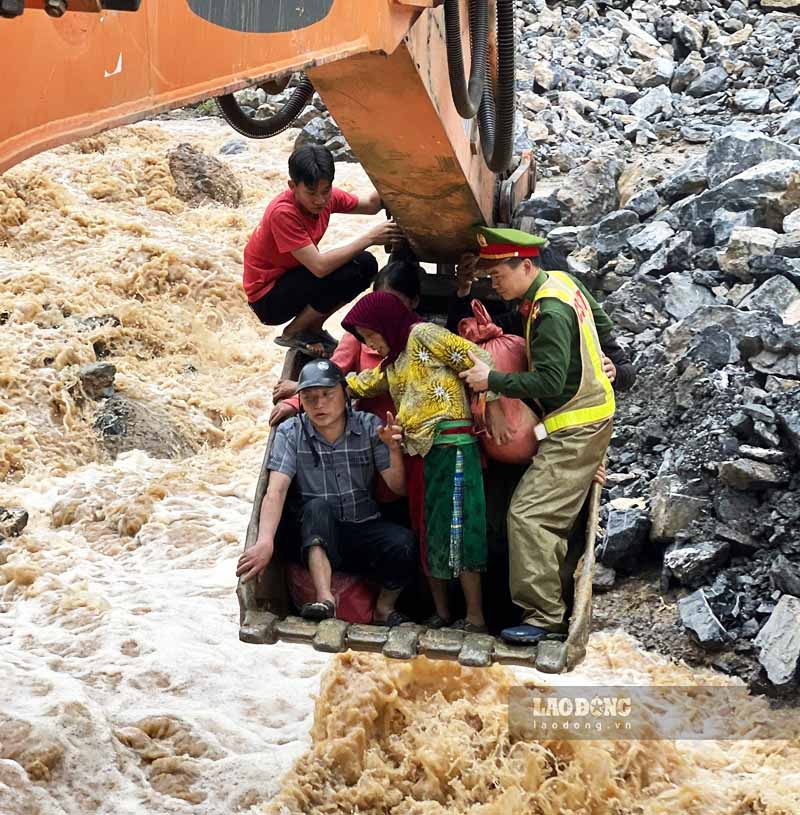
x=372, y=382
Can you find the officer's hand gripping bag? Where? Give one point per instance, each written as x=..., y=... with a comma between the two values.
x=509, y=355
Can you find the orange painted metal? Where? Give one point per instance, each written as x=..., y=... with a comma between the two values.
x=380, y=66
x=398, y=115
x=82, y=73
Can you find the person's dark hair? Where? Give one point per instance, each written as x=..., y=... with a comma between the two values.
x=400, y=275
x=311, y=164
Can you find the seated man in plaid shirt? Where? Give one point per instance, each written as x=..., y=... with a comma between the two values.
x=333, y=454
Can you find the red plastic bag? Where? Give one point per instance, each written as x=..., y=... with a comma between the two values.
x=355, y=597
x=509, y=355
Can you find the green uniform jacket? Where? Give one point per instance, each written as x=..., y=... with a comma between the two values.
x=555, y=350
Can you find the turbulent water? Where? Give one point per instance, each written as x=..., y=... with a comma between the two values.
x=123, y=687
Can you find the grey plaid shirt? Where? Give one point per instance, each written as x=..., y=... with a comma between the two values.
x=344, y=473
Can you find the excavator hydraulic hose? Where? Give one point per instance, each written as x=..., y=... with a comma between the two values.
x=266, y=128
x=467, y=98
x=497, y=111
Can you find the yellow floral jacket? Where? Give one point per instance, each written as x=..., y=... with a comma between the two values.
x=424, y=384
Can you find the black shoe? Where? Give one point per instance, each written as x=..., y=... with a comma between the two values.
x=323, y=610
x=528, y=635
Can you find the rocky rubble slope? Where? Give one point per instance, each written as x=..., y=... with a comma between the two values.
x=645, y=73
x=667, y=137
x=700, y=273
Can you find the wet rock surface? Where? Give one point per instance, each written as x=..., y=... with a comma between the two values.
x=12, y=522
x=201, y=178
x=124, y=424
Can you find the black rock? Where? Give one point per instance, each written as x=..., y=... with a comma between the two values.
x=735, y=152
x=317, y=131
x=767, y=266
x=789, y=423
x=713, y=346
x=12, y=522
x=709, y=82
x=760, y=412
x=97, y=379
x=741, y=542
x=546, y=208
x=690, y=179
x=563, y=239
x=788, y=246
x=746, y=474
x=706, y=259
x=627, y=533
x=768, y=188
x=698, y=618
x=785, y=576
x=688, y=564
x=724, y=222
x=644, y=203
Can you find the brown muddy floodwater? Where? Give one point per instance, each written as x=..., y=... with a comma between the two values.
x=123, y=686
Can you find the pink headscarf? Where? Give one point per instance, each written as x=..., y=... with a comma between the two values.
x=385, y=314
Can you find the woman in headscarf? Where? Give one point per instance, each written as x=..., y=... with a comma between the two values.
x=420, y=367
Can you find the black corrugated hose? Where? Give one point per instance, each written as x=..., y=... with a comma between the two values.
x=467, y=99
x=497, y=111
x=265, y=128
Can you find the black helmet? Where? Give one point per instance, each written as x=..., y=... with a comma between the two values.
x=320, y=373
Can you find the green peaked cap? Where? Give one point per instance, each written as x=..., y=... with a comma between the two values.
x=502, y=235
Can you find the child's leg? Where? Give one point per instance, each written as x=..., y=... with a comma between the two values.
x=439, y=592
x=471, y=586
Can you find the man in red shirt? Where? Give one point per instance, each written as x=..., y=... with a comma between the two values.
x=286, y=277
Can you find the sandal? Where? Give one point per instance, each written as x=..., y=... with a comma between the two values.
x=304, y=342
x=394, y=619
x=470, y=628
x=325, y=338
x=435, y=621
x=322, y=610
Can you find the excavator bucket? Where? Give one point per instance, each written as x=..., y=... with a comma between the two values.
x=267, y=614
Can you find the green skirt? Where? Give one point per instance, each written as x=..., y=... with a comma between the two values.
x=455, y=507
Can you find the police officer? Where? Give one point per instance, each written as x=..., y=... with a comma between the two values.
x=563, y=326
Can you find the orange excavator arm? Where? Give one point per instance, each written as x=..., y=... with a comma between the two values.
x=380, y=66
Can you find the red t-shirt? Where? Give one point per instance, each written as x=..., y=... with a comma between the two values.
x=284, y=228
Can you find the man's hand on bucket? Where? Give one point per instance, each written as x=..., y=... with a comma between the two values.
x=254, y=560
